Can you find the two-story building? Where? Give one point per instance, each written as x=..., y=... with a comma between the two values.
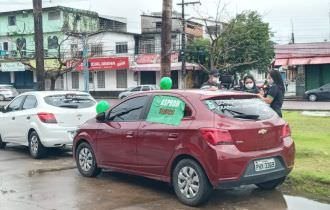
x=147, y=61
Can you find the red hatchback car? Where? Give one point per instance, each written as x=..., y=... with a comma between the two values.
x=224, y=140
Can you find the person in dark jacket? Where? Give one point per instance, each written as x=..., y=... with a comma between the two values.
x=275, y=93
x=213, y=83
x=249, y=85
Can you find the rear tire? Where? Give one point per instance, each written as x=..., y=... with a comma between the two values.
x=86, y=161
x=37, y=150
x=2, y=144
x=190, y=183
x=270, y=185
x=312, y=97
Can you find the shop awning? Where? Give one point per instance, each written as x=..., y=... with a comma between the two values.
x=156, y=67
x=302, y=61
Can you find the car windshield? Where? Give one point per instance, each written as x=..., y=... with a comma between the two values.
x=73, y=101
x=251, y=108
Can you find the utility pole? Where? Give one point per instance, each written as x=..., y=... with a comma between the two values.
x=39, y=44
x=166, y=39
x=85, y=62
x=292, y=33
x=183, y=39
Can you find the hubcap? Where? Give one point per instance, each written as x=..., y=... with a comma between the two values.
x=85, y=159
x=312, y=97
x=34, y=144
x=188, y=182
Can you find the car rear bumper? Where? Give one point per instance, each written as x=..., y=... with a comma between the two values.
x=234, y=167
x=57, y=137
x=249, y=177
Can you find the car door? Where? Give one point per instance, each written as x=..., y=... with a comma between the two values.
x=157, y=142
x=326, y=91
x=25, y=116
x=11, y=127
x=117, y=137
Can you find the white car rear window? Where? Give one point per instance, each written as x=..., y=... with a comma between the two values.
x=73, y=101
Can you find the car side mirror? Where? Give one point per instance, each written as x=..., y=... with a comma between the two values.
x=100, y=117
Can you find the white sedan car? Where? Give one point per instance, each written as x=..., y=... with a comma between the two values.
x=43, y=119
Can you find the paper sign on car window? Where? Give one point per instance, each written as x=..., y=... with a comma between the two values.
x=167, y=110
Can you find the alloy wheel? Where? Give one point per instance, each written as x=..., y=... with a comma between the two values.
x=188, y=182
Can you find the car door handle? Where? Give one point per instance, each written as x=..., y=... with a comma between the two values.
x=28, y=117
x=130, y=134
x=13, y=118
x=173, y=136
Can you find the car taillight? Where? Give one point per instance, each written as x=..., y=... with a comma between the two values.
x=47, y=117
x=216, y=136
x=286, y=131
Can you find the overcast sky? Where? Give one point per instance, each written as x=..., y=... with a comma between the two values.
x=310, y=18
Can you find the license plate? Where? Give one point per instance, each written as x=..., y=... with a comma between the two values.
x=265, y=164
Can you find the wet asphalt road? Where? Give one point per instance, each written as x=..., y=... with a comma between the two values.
x=54, y=183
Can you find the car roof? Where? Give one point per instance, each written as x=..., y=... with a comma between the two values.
x=48, y=93
x=203, y=94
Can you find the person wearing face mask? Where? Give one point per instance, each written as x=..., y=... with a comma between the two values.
x=249, y=85
x=213, y=83
x=275, y=94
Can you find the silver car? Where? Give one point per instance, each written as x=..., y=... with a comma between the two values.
x=136, y=89
x=7, y=92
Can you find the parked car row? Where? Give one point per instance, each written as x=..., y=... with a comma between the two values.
x=321, y=93
x=195, y=140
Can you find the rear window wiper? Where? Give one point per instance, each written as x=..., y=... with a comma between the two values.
x=241, y=115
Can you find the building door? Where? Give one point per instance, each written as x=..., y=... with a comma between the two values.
x=175, y=79
x=4, y=77
x=148, y=77
x=24, y=79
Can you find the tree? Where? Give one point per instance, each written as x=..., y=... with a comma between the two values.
x=238, y=46
x=62, y=58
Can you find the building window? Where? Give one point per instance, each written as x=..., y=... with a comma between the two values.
x=147, y=46
x=121, y=47
x=21, y=46
x=11, y=20
x=74, y=51
x=54, y=15
x=101, y=79
x=159, y=25
x=25, y=15
x=96, y=50
x=52, y=42
x=75, y=80
x=5, y=46
x=121, y=76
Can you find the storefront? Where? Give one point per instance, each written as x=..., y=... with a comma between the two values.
x=107, y=76
x=16, y=74
x=147, y=67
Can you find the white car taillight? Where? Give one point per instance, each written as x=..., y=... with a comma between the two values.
x=47, y=117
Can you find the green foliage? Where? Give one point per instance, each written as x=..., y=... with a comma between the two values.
x=245, y=44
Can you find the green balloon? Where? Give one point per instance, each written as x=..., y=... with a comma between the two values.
x=102, y=106
x=166, y=83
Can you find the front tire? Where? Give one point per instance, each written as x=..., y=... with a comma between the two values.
x=37, y=150
x=270, y=185
x=86, y=161
x=2, y=144
x=312, y=97
x=190, y=183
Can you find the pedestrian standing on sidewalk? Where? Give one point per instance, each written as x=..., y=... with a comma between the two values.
x=249, y=85
x=213, y=83
x=286, y=85
x=275, y=94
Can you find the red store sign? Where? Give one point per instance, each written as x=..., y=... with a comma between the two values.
x=111, y=63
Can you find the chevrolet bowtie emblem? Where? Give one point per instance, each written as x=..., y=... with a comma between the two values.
x=262, y=132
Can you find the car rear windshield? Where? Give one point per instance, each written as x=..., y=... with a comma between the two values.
x=245, y=109
x=73, y=101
